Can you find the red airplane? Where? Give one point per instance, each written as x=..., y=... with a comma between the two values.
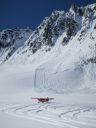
x=43, y=99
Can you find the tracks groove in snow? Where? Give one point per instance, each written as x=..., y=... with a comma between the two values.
x=64, y=116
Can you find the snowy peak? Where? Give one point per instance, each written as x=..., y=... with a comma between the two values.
x=59, y=22
x=11, y=40
x=47, y=32
x=9, y=36
x=50, y=29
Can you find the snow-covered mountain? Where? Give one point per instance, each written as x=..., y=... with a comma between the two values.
x=62, y=51
x=11, y=40
x=57, y=60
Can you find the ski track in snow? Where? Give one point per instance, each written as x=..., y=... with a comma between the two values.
x=72, y=116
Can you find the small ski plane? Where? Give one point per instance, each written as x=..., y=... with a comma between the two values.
x=43, y=99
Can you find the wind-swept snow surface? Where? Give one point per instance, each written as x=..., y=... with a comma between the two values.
x=75, y=110
x=52, y=114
